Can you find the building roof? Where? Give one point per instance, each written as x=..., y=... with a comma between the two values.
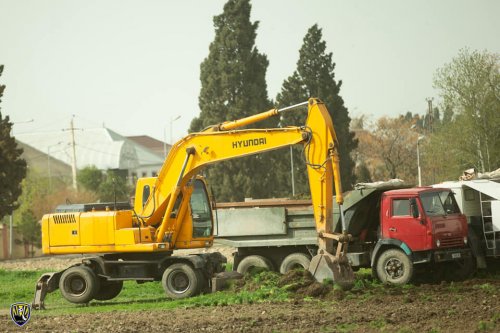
x=101, y=147
x=152, y=144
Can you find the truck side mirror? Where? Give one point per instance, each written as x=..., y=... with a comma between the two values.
x=414, y=208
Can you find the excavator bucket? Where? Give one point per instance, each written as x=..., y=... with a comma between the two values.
x=325, y=266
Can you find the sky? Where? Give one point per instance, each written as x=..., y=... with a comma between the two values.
x=134, y=66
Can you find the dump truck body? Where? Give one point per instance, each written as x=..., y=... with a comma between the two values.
x=286, y=234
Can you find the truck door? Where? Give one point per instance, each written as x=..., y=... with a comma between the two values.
x=399, y=223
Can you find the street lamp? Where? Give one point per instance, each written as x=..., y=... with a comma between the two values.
x=420, y=137
x=48, y=163
x=172, y=119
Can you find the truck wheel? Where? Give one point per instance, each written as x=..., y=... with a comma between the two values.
x=294, y=261
x=254, y=261
x=394, y=266
x=460, y=270
x=180, y=281
x=108, y=290
x=78, y=284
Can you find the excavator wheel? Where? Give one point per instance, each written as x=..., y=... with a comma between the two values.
x=181, y=280
x=79, y=284
x=108, y=290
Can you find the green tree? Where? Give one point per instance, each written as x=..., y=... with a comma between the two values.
x=469, y=135
x=233, y=85
x=114, y=187
x=30, y=230
x=315, y=77
x=90, y=178
x=12, y=166
x=107, y=186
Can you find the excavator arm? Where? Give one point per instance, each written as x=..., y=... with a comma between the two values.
x=226, y=141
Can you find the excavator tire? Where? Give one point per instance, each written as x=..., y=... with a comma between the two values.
x=180, y=280
x=108, y=290
x=79, y=284
x=252, y=261
x=294, y=261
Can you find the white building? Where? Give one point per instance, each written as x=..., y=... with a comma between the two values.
x=99, y=147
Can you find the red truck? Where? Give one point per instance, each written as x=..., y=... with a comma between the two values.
x=397, y=232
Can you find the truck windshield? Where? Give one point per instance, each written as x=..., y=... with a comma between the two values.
x=439, y=203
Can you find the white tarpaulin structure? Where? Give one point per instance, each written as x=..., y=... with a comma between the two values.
x=484, y=201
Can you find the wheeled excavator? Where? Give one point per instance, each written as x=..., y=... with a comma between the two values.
x=174, y=211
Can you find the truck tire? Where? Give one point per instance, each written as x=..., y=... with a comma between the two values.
x=78, y=284
x=180, y=280
x=108, y=290
x=294, y=261
x=254, y=261
x=393, y=266
x=460, y=270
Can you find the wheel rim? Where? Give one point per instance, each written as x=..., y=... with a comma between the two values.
x=178, y=282
x=76, y=285
x=394, y=268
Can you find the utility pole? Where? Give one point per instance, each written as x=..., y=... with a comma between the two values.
x=429, y=105
x=73, y=145
x=11, y=235
x=291, y=170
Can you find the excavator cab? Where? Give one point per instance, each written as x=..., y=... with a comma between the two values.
x=195, y=214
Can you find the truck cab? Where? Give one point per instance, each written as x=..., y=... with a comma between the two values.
x=418, y=226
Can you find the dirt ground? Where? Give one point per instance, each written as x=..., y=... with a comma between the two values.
x=470, y=306
x=430, y=308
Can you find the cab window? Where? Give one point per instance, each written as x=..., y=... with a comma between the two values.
x=200, y=211
x=401, y=207
x=146, y=191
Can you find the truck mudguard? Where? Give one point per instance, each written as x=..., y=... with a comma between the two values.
x=393, y=243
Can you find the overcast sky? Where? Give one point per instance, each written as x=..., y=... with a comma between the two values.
x=134, y=65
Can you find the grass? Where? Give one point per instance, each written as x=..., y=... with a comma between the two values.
x=18, y=286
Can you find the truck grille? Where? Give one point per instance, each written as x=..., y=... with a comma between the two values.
x=452, y=242
x=66, y=218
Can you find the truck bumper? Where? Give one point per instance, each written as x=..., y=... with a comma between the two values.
x=451, y=254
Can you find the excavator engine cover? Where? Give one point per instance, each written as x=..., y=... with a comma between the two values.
x=325, y=266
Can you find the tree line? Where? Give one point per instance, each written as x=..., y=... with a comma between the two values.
x=460, y=133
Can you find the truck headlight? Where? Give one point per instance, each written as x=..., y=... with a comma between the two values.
x=438, y=243
x=465, y=240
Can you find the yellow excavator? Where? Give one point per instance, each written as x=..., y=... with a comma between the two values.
x=174, y=211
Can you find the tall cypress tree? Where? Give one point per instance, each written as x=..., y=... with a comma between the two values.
x=234, y=86
x=12, y=166
x=315, y=77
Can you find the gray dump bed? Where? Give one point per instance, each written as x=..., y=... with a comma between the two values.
x=261, y=223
